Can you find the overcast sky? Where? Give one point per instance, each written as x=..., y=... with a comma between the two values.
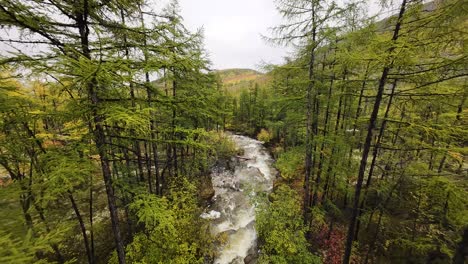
x=233, y=30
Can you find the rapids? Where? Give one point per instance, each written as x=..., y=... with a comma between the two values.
x=233, y=208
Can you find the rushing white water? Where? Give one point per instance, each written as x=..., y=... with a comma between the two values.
x=233, y=209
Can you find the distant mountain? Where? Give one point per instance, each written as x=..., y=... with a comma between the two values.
x=234, y=80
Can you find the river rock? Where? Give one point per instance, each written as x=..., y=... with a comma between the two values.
x=237, y=260
x=252, y=256
x=223, y=237
x=250, y=259
x=250, y=225
x=228, y=232
x=206, y=189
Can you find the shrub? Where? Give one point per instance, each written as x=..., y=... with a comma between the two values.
x=281, y=231
x=173, y=231
x=264, y=136
x=222, y=146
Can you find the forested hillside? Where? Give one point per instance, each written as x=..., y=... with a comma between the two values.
x=369, y=127
x=101, y=165
x=111, y=123
x=236, y=80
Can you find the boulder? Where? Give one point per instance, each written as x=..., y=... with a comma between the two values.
x=206, y=189
x=252, y=254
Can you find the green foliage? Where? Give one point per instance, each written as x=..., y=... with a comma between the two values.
x=123, y=104
x=264, y=135
x=221, y=145
x=291, y=163
x=14, y=249
x=418, y=174
x=282, y=233
x=64, y=173
x=134, y=94
x=252, y=110
x=132, y=119
x=174, y=232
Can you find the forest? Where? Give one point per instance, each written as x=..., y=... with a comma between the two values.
x=113, y=122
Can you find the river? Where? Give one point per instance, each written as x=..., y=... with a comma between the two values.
x=233, y=208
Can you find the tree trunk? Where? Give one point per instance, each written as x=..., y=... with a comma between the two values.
x=367, y=143
x=309, y=125
x=82, y=228
x=375, y=153
x=173, y=126
x=148, y=167
x=91, y=227
x=98, y=131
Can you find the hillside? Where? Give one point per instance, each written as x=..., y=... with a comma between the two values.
x=234, y=80
x=233, y=76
